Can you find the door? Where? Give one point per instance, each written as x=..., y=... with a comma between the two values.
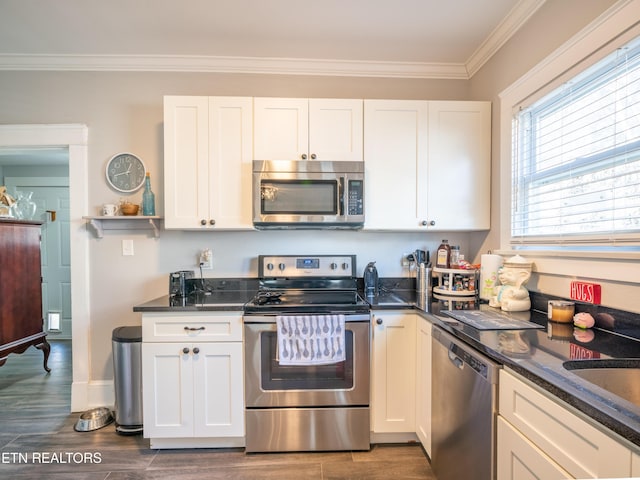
x=281, y=128
x=167, y=390
x=335, y=129
x=52, y=194
x=394, y=372
x=395, y=148
x=459, y=165
x=218, y=390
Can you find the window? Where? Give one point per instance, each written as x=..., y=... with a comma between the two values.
x=576, y=158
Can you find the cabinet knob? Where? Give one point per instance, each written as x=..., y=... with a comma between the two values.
x=430, y=223
x=379, y=321
x=212, y=222
x=304, y=156
x=424, y=223
x=185, y=350
x=196, y=350
x=203, y=222
x=313, y=156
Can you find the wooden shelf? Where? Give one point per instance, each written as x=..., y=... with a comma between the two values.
x=124, y=222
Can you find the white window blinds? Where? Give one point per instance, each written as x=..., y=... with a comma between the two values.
x=576, y=158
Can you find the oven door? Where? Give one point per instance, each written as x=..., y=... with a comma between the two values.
x=269, y=384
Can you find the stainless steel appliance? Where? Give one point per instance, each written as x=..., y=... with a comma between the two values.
x=306, y=407
x=464, y=409
x=178, y=282
x=308, y=194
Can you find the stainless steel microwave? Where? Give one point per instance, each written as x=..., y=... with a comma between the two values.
x=308, y=194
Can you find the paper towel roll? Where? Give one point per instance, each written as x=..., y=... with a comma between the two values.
x=489, y=265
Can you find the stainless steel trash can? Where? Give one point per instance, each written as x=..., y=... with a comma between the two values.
x=127, y=379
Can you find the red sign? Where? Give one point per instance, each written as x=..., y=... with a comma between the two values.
x=585, y=292
x=578, y=352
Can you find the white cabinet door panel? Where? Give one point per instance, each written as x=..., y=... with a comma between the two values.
x=281, y=128
x=335, y=130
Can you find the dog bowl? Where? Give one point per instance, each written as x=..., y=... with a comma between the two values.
x=94, y=419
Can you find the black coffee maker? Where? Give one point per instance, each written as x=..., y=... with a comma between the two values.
x=178, y=282
x=371, y=280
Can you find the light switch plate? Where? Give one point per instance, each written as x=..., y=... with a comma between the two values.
x=127, y=247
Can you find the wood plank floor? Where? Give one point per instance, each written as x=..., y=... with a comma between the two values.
x=37, y=441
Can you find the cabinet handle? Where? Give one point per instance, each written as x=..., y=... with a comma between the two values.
x=304, y=156
x=203, y=222
x=379, y=321
x=185, y=350
x=313, y=156
x=193, y=329
x=212, y=222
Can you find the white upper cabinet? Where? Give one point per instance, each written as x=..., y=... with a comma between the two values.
x=207, y=162
x=395, y=152
x=427, y=165
x=308, y=129
x=459, y=171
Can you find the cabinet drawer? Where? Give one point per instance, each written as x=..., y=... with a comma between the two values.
x=574, y=444
x=197, y=326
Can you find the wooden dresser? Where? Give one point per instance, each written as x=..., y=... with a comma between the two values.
x=21, y=322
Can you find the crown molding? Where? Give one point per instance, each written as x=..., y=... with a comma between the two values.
x=502, y=33
x=279, y=66
x=221, y=64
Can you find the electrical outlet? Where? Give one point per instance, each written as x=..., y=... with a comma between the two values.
x=405, y=260
x=206, y=259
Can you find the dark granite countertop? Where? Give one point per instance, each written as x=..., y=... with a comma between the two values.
x=539, y=354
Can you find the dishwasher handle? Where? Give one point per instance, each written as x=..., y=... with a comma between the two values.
x=455, y=359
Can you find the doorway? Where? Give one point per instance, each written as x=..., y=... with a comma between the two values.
x=51, y=194
x=73, y=138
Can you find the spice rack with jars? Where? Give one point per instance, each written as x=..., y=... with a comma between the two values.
x=456, y=282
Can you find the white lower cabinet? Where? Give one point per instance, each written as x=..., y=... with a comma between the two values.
x=192, y=371
x=423, y=383
x=538, y=437
x=393, y=372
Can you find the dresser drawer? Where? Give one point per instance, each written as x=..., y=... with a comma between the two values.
x=196, y=326
x=574, y=444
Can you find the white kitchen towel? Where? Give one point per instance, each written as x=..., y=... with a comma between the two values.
x=310, y=339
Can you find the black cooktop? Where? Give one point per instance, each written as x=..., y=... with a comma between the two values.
x=306, y=301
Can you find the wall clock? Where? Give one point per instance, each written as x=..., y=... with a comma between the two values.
x=126, y=172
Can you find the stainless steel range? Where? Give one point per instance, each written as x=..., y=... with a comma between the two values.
x=307, y=352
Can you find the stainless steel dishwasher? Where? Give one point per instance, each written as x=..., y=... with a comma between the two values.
x=464, y=409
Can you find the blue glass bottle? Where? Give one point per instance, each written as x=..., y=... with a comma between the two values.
x=148, y=198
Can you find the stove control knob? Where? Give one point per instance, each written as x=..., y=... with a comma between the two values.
x=269, y=266
x=345, y=266
x=281, y=266
x=333, y=265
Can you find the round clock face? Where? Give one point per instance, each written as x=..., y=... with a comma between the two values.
x=126, y=172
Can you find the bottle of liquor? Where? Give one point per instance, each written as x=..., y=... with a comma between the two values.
x=148, y=198
x=443, y=255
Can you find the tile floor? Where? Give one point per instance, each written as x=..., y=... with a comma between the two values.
x=37, y=441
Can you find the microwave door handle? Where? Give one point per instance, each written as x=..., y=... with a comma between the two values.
x=341, y=196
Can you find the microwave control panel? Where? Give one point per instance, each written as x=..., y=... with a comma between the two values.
x=356, y=197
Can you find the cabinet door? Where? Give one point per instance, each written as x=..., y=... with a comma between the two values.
x=519, y=459
x=393, y=372
x=577, y=446
x=459, y=165
x=281, y=128
x=335, y=129
x=167, y=390
x=230, y=154
x=395, y=152
x=186, y=161
x=218, y=390
x=635, y=464
x=423, y=383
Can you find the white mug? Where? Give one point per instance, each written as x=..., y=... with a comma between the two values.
x=109, y=209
